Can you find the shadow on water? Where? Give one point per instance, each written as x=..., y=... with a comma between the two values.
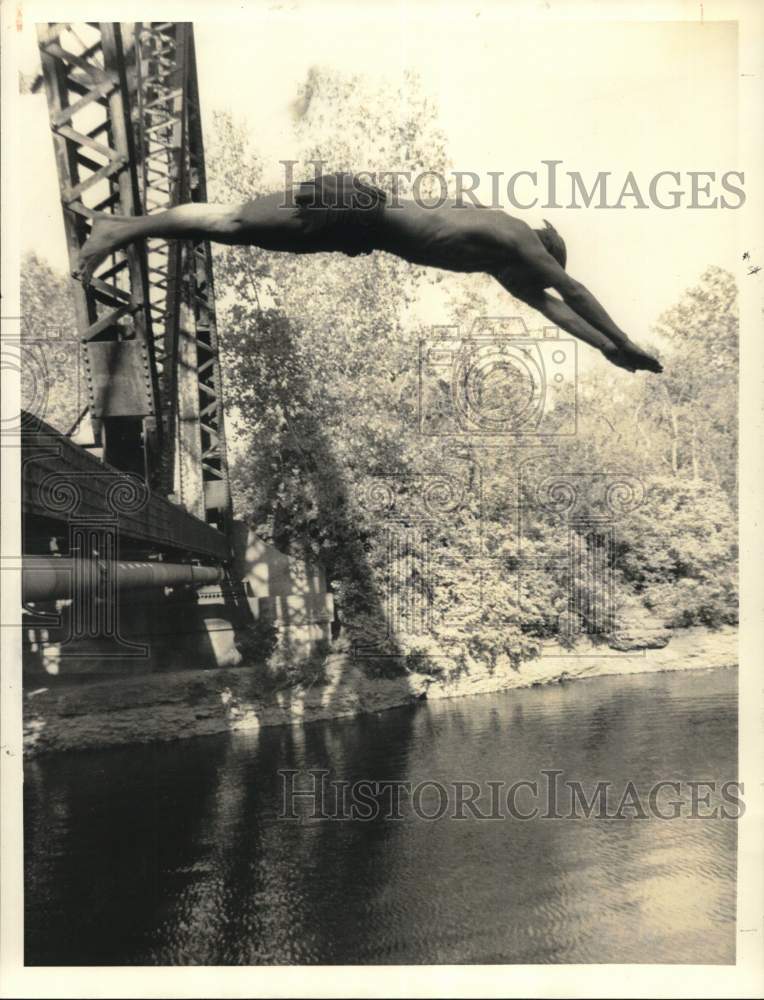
x=102, y=852
x=186, y=853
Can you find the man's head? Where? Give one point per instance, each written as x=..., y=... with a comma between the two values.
x=553, y=242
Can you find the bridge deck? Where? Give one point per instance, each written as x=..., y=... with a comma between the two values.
x=64, y=482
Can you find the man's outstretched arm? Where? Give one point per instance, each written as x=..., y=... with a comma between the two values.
x=557, y=312
x=540, y=271
x=574, y=294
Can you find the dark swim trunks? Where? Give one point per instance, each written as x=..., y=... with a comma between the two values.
x=342, y=210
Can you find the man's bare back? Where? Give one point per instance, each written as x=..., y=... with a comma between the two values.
x=466, y=239
x=342, y=214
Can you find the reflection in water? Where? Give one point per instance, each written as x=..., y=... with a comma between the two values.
x=174, y=854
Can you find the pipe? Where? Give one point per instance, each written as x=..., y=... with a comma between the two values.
x=45, y=578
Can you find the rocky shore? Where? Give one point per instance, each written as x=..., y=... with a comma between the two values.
x=177, y=705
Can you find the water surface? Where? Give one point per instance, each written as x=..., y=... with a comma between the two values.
x=175, y=853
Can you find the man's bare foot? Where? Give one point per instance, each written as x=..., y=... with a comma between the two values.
x=632, y=358
x=105, y=237
x=640, y=359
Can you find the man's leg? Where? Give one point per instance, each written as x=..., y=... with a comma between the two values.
x=266, y=222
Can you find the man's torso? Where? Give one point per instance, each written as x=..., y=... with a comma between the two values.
x=456, y=238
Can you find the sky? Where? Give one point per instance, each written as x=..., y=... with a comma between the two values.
x=628, y=96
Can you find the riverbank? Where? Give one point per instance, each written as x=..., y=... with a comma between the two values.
x=182, y=704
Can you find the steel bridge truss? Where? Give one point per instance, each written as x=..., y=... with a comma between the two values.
x=125, y=119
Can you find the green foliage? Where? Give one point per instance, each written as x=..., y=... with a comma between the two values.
x=257, y=643
x=351, y=123
x=679, y=553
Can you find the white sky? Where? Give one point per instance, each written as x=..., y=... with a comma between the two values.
x=611, y=96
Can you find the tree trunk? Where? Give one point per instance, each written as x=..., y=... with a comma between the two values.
x=694, y=451
x=674, y=441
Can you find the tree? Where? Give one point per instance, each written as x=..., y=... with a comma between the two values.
x=679, y=553
x=322, y=370
x=695, y=400
x=319, y=358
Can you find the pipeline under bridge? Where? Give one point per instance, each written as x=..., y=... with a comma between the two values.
x=46, y=578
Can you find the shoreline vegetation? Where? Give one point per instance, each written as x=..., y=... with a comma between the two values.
x=171, y=706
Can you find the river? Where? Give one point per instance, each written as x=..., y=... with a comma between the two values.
x=178, y=853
